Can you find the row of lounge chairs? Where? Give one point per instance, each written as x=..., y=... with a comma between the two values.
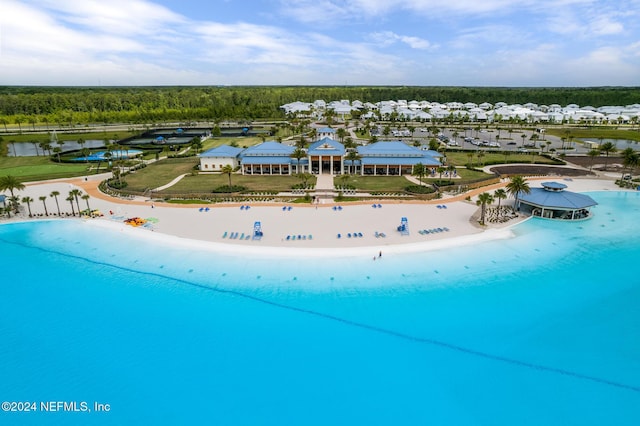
x=337, y=207
x=299, y=237
x=441, y=206
x=376, y=206
x=236, y=236
x=243, y=207
x=379, y=234
x=433, y=231
x=204, y=209
x=286, y=208
x=351, y=234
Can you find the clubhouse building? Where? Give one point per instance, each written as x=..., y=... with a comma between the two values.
x=324, y=156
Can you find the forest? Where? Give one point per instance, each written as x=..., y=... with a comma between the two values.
x=80, y=105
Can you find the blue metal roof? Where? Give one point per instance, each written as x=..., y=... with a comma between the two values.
x=272, y=160
x=396, y=153
x=398, y=161
x=326, y=130
x=326, y=146
x=391, y=149
x=541, y=197
x=554, y=185
x=222, y=151
x=267, y=149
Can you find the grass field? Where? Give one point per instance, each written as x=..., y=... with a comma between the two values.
x=205, y=183
x=596, y=133
x=39, y=168
x=160, y=173
x=462, y=158
x=376, y=183
x=243, y=142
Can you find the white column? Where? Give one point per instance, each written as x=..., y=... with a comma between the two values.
x=319, y=164
x=331, y=165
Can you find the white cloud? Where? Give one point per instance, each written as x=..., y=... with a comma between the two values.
x=605, y=25
x=387, y=38
x=140, y=42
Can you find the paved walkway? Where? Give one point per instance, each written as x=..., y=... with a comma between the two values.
x=170, y=184
x=325, y=182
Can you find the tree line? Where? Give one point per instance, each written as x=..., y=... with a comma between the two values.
x=61, y=106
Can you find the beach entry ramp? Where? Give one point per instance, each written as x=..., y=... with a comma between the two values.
x=257, y=231
x=403, y=228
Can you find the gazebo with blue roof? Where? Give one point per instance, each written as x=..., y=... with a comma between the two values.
x=553, y=202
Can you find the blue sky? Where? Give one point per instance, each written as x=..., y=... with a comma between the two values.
x=320, y=42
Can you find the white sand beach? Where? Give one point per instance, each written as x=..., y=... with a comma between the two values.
x=315, y=229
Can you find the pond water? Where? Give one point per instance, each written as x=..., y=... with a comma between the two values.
x=620, y=144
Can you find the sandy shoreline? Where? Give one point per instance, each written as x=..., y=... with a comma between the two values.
x=203, y=229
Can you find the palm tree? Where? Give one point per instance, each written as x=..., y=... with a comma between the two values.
x=341, y=133
x=484, y=199
x=85, y=152
x=451, y=168
x=75, y=193
x=28, y=200
x=70, y=200
x=11, y=184
x=419, y=170
x=607, y=148
x=517, y=185
x=14, y=203
x=43, y=198
x=352, y=156
x=57, y=150
x=593, y=154
x=440, y=171
x=629, y=160
x=499, y=194
x=46, y=146
x=86, y=197
x=298, y=154
x=227, y=170
x=470, y=157
x=55, y=194
x=480, y=155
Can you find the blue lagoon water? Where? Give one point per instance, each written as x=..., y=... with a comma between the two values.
x=539, y=329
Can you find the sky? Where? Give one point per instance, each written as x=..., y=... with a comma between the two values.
x=529, y=43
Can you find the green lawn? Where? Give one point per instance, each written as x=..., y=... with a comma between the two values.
x=160, y=173
x=377, y=183
x=208, y=182
x=458, y=158
x=596, y=133
x=243, y=142
x=39, y=168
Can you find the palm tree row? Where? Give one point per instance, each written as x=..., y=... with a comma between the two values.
x=12, y=184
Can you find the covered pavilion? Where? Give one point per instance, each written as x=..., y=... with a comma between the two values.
x=553, y=202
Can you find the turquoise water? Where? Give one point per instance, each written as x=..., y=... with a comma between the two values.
x=539, y=329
